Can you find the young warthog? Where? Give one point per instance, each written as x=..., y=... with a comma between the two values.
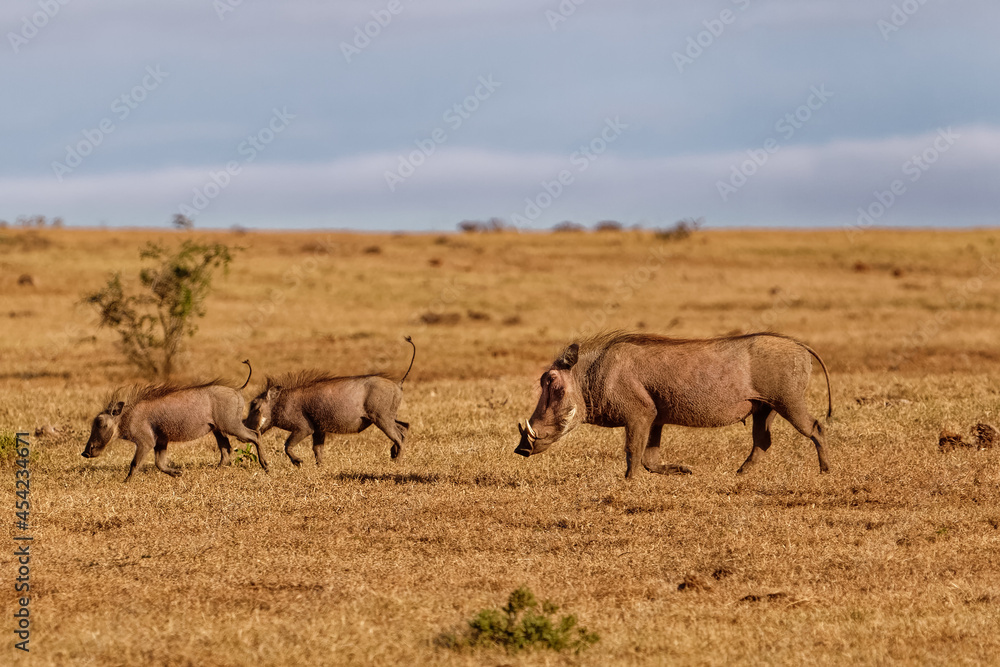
x=643, y=382
x=155, y=415
x=315, y=403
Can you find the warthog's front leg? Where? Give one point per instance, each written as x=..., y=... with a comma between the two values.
x=294, y=438
x=161, y=458
x=637, y=434
x=319, y=439
x=651, y=457
x=142, y=447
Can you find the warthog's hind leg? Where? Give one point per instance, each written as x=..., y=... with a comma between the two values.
x=225, y=449
x=651, y=457
x=799, y=417
x=396, y=431
x=763, y=415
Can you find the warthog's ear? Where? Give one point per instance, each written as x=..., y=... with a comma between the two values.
x=117, y=410
x=569, y=357
x=272, y=393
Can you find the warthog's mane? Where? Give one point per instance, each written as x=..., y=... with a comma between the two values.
x=137, y=393
x=608, y=338
x=308, y=378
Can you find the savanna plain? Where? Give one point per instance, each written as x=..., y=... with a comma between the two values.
x=891, y=558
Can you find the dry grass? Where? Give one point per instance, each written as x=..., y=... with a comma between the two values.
x=893, y=557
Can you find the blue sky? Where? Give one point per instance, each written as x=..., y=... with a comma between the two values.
x=277, y=114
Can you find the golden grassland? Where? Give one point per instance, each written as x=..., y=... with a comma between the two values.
x=891, y=558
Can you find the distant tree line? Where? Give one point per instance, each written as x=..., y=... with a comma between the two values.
x=33, y=222
x=679, y=230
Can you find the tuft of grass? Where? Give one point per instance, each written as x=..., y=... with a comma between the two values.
x=245, y=453
x=8, y=447
x=519, y=626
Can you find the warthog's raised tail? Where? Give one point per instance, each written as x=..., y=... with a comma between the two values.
x=410, y=341
x=250, y=374
x=829, y=392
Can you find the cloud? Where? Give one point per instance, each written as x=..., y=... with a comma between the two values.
x=800, y=185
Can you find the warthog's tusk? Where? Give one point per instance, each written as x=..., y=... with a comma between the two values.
x=531, y=431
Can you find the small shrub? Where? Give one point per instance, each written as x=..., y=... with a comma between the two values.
x=471, y=227
x=478, y=227
x=245, y=453
x=608, y=226
x=182, y=222
x=29, y=221
x=152, y=325
x=519, y=626
x=680, y=230
x=568, y=226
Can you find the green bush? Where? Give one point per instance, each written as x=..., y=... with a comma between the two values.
x=153, y=324
x=519, y=626
x=245, y=453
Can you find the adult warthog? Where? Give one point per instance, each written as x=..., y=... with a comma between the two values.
x=152, y=416
x=643, y=381
x=316, y=403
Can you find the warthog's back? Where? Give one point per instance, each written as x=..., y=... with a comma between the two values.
x=338, y=405
x=187, y=414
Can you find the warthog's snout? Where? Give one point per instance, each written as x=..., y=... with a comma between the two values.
x=86, y=454
x=528, y=437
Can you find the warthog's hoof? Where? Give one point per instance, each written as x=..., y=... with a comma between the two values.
x=670, y=469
